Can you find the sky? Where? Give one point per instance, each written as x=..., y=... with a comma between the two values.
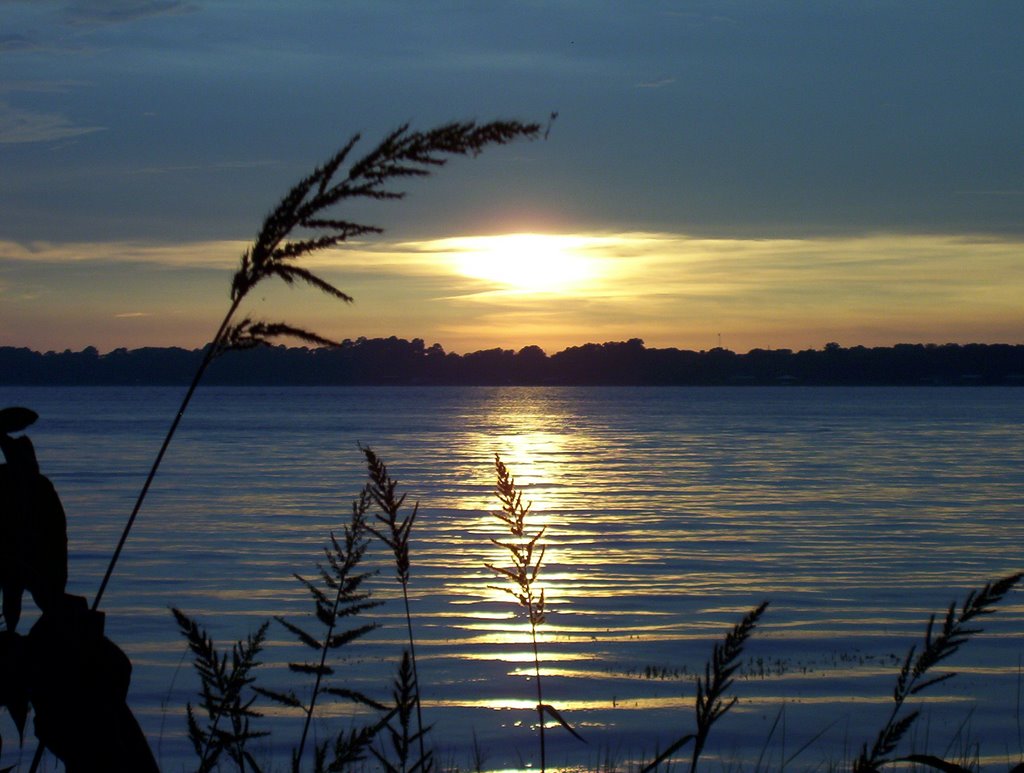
x=751, y=174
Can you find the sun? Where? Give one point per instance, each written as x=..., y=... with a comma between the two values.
x=525, y=262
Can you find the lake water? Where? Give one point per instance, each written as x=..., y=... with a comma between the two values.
x=670, y=512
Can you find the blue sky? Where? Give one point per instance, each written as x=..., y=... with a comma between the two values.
x=782, y=173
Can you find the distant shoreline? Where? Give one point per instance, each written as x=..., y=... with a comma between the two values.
x=400, y=362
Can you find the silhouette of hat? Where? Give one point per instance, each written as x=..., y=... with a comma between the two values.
x=16, y=419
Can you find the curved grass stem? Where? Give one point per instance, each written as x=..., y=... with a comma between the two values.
x=540, y=698
x=208, y=357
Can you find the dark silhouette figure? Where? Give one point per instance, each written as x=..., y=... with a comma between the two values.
x=74, y=678
x=78, y=686
x=33, y=529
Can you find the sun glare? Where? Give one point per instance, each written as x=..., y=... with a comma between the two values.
x=528, y=263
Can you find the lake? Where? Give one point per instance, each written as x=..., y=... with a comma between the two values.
x=669, y=512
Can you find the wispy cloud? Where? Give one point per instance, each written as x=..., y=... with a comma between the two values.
x=656, y=84
x=993, y=192
x=18, y=125
x=122, y=11
x=675, y=290
x=627, y=264
x=669, y=289
x=172, y=169
x=14, y=42
x=220, y=254
x=40, y=86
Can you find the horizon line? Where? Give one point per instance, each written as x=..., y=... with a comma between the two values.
x=358, y=340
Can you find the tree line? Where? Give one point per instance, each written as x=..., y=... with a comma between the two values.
x=396, y=361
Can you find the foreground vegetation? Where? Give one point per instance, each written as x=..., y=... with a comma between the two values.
x=226, y=719
x=395, y=737
x=70, y=684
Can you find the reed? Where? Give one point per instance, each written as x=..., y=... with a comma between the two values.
x=337, y=597
x=224, y=698
x=304, y=223
x=394, y=532
x=710, y=704
x=527, y=554
x=393, y=740
x=404, y=737
x=341, y=597
x=917, y=674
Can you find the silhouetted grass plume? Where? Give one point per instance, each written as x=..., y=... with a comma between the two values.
x=527, y=554
x=403, y=737
x=391, y=740
x=338, y=597
x=394, y=531
x=226, y=697
x=303, y=223
x=915, y=675
x=710, y=704
x=224, y=721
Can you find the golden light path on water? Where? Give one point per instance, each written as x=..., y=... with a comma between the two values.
x=598, y=562
x=669, y=514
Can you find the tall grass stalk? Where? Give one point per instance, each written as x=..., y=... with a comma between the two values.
x=302, y=224
x=223, y=683
x=341, y=597
x=403, y=737
x=395, y=534
x=527, y=554
x=916, y=675
x=524, y=571
x=222, y=696
x=710, y=704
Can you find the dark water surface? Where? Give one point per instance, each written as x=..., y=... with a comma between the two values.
x=670, y=512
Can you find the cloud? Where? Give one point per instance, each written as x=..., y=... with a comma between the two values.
x=221, y=254
x=172, y=169
x=121, y=11
x=18, y=126
x=656, y=84
x=41, y=86
x=16, y=43
x=669, y=289
x=994, y=192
